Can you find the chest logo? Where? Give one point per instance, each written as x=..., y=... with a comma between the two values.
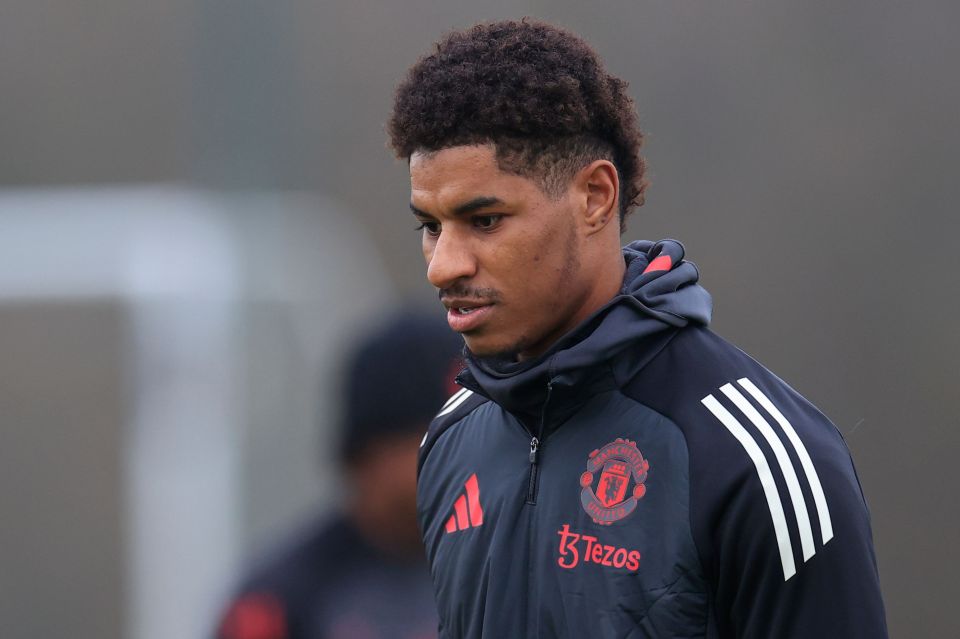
x=572, y=552
x=620, y=464
x=467, y=512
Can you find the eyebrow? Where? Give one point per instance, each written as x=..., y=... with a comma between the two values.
x=467, y=207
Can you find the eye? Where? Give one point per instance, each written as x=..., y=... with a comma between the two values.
x=486, y=222
x=430, y=228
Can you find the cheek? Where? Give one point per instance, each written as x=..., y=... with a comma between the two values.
x=535, y=294
x=528, y=263
x=540, y=268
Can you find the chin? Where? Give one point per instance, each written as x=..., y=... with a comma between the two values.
x=480, y=348
x=487, y=348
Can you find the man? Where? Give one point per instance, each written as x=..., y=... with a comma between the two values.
x=360, y=575
x=612, y=468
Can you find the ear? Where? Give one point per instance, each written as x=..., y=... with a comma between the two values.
x=599, y=186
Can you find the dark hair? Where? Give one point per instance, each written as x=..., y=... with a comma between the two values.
x=539, y=93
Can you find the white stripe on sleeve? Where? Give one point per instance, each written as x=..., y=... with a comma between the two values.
x=453, y=398
x=786, y=467
x=451, y=406
x=823, y=512
x=766, y=481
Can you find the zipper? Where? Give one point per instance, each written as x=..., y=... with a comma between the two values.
x=532, y=485
x=535, y=450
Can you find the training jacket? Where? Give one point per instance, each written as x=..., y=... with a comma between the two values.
x=643, y=478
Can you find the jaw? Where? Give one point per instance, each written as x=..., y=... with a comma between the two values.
x=490, y=343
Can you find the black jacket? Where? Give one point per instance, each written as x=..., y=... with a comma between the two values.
x=644, y=478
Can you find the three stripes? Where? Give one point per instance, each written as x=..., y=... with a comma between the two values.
x=467, y=512
x=785, y=464
x=455, y=400
x=449, y=406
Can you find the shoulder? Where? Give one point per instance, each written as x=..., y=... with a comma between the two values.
x=776, y=508
x=736, y=415
x=454, y=410
x=705, y=384
x=757, y=447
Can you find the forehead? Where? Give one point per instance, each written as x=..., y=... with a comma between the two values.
x=430, y=167
x=443, y=177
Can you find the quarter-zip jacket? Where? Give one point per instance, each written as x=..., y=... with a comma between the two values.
x=643, y=478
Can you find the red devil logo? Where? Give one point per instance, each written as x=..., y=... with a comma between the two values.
x=621, y=464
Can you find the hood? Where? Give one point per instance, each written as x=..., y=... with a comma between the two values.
x=659, y=293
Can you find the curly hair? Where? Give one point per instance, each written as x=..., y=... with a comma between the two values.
x=538, y=93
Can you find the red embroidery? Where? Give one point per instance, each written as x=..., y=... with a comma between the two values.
x=467, y=512
x=572, y=552
x=620, y=462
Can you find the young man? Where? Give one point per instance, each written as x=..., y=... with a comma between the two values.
x=611, y=468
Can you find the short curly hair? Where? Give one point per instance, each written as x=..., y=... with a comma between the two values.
x=538, y=93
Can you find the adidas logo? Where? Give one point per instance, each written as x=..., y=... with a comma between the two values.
x=467, y=512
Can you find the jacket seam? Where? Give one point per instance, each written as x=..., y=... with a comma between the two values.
x=710, y=593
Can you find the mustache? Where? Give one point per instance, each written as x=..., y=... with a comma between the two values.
x=462, y=291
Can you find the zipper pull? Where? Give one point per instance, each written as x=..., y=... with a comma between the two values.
x=534, y=447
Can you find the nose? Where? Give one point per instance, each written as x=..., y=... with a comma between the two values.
x=449, y=260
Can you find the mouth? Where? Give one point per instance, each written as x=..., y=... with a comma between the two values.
x=467, y=316
x=465, y=310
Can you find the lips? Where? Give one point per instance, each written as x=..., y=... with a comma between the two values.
x=467, y=316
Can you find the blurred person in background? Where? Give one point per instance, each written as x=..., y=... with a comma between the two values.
x=361, y=574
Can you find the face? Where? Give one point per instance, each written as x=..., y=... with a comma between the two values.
x=504, y=255
x=384, y=481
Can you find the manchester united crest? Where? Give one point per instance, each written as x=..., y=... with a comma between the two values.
x=622, y=471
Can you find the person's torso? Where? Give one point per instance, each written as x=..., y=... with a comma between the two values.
x=591, y=540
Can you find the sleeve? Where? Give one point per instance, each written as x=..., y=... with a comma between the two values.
x=779, y=518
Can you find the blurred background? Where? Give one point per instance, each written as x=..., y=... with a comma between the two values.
x=198, y=211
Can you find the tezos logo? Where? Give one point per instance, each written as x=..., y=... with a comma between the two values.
x=572, y=552
x=620, y=461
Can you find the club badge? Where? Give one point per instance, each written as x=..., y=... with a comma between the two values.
x=620, y=465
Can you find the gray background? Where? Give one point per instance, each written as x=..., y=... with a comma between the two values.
x=804, y=152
